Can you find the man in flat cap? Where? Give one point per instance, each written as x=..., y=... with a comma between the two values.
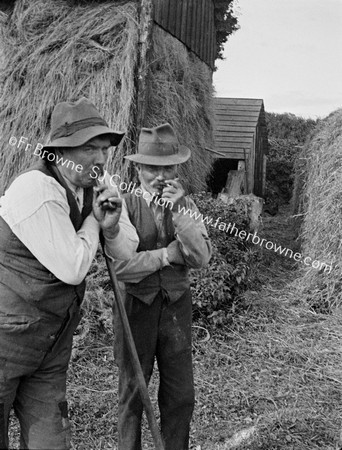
x=50, y=218
x=153, y=262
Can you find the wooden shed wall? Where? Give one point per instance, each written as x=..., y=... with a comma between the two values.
x=261, y=148
x=192, y=22
x=240, y=133
x=235, y=125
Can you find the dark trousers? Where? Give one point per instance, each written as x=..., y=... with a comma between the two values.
x=33, y=381
x=162, y=331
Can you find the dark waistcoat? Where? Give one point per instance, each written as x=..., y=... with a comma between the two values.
x=26, y=277
x=173, y=280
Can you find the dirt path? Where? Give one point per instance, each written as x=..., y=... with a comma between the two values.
x=278, y=269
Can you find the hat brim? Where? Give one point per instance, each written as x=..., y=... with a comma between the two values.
x=83, y=136
x=182, y=156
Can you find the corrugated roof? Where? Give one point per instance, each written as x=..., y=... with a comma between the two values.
x=235, y=124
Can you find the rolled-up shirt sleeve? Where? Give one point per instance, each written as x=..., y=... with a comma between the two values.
x=192, y=235
x=140, y=265
x=36, y=209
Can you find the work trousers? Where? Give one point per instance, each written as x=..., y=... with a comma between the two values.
x=161, y=331
x=33, y=381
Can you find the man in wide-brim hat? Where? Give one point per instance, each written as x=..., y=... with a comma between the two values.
x=164, y=241
x=49, y=227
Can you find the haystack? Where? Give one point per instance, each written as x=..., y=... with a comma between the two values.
x=55, y=51
x=180, y=91
x=320, y=203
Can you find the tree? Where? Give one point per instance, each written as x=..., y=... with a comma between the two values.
x=289, y=127
x=225, y=22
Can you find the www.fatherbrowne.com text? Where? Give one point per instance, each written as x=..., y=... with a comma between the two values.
x=115, y=181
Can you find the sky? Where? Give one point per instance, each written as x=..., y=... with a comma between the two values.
x=287, y=52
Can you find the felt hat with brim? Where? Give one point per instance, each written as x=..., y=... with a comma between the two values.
x=75, y=123
x=159, y=146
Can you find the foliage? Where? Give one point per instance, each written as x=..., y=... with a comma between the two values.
x=289, y=127
x=225, y=22
x=279, y=180
x=287, y=134
x=216, y=287
x=284, y=150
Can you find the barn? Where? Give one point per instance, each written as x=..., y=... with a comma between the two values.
x=240, y=136
x=141, y=63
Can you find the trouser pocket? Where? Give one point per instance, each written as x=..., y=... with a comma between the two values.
x=65, y=333
x=14, y=323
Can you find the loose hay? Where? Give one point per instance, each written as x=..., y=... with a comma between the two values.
x=320, y=204
x=54, y=51
x=181, y=92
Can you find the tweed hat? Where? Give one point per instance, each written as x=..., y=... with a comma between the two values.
x=159, y=146
x=75, y=123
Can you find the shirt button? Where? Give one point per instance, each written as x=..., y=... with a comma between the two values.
x=159, y=245
x=52, y=336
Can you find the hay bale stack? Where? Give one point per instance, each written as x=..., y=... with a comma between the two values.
x=2, y=56
x=321, y=202
x=181, y=92
x=57, y=51
x=300, y=177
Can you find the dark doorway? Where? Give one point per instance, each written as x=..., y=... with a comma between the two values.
x=218, y=176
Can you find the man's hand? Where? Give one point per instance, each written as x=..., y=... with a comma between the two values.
x=107, y=209
x=174, y=193
x=174, y=254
